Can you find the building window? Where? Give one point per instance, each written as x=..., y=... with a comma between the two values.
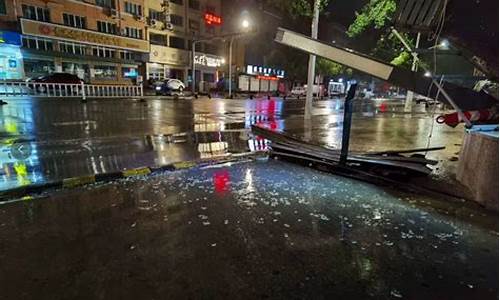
x=37, y=43
x=210, y=29
x=176, y=20
x=194, y=4
x=155, y=15
x=158, y=39
x=105, y=3
x=194, y=25
x=176, y=42
x=80, y=70
x=210, y=9
x=190, y=46
x=36, y=13
x=134, y=9
x=126, y=55
x=133, y=32
x=208, y=77
x=156, y=72
x=210, y=49
x=103, y=52
x=3, y=9
x=35, y=67
x=106, y=27
x=72, y=48
x=179, y=2
x=74, y=21
x=105, y=72
x=129, y=72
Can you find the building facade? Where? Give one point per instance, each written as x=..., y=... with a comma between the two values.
x=173, y=26
x=104, y=41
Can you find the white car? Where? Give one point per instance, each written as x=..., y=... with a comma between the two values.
x=170, y=85
x=298, y=91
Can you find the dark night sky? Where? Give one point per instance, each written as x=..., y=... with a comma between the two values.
x=472, y=24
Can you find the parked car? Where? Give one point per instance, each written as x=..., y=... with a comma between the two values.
x=55, y=78
x=426, y=100
x=298, y=91
x=168, y=86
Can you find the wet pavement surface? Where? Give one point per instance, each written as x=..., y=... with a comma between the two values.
x=252, y=230
x=52, y=139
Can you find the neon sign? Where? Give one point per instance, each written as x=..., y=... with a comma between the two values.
x=211, y=19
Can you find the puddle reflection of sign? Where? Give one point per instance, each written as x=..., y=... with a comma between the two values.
x=221, y=181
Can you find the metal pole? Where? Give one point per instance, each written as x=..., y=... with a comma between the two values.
x=193, y=81
x=230, y=67
x=414, y=67
x=312, y=63
x=84, y=97
x=434, y=81
x=346, y=127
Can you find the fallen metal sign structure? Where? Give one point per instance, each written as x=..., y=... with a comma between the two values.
x=380, y=163
x=466, y=99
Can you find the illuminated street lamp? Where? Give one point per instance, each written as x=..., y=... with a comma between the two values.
x=245, y=24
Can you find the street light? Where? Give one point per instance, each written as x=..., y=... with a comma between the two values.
x=245, y=24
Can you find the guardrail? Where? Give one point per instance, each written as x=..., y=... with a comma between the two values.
x=32, y=89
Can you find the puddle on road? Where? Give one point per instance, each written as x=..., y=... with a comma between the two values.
x=270, y=228
x=124, y=135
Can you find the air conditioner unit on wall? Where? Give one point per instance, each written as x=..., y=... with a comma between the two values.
x=139, y=18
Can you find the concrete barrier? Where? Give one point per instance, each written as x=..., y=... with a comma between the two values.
x=478, y=167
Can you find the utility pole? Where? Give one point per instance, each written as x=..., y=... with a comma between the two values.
x=312, y=63
x=231, y=67
x=414, y=67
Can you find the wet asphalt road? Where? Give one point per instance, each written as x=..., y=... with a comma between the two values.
x=253, y=230
x=65, y=138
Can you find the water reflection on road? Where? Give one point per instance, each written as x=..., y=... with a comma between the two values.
x=67, y=138
x=252, y=230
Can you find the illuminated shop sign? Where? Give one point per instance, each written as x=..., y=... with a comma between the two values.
x=208, y=60
x=265, y=71
x=212, y=19
x=37, y=28
x=267, y=77
x=11, y=38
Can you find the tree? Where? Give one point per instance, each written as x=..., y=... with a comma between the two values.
x=375, y=16
x=376, y=12
x=326, y=67
x=297, y=8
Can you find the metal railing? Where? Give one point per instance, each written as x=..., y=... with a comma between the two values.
x=32, y=89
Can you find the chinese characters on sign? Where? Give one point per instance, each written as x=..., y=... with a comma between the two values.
x=211, y=19
x=208, y=61
x=265, y=71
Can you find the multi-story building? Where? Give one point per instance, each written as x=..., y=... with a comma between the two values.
x=104, y=41
x=99, y=40
x=172, y=27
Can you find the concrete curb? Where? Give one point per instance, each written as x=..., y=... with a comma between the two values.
x=25, y=192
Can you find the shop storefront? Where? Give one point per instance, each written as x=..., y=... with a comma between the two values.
x=11, y=59
x=207, y=71
x=93, y=56
x=166, y=62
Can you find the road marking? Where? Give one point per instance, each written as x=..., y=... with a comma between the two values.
x=78, y=181
x=136, y=172
x=184, y=165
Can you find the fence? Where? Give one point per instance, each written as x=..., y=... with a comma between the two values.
x=32, y=89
